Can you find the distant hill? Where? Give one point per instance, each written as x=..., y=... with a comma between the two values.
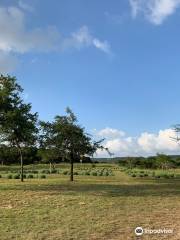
x=117, y=159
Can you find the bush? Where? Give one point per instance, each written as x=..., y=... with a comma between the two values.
x=0, y=176
x=43, y=176
x=94, y=173
x=16, y=176
x=46, y=171
x=166, y=176
x=106, y=174
x=30, y=176
x=75, y=173
x=54, y=171
x=65, y=172
x=100, y=173
x=133, y=175
x=9, y=176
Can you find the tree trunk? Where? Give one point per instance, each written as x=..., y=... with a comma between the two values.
x=22, y=169
x=50, y=167
x=71, y=172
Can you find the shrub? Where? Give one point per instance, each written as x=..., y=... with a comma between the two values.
x=141, y=175
x=133, y=175
x=100, y=173
x=30, y=176
x=54, y=171
x=75, y=173
x=166, y=176
x=65, y=172
x=9, y=176
x=16, y=176
x=0, y=176
x=94, y=173
x=43, y=176
x=46, y=171
x=106, y=173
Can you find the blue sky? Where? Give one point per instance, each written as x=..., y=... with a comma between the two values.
x=115, y=63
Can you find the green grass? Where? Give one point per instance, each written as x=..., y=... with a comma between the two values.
x=92, y=207
x=153, y=173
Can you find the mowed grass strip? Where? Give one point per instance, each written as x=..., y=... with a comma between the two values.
x=89, y=208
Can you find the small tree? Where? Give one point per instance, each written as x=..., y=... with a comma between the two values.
x=17, y=123
x=68, y=139
x=163, y=161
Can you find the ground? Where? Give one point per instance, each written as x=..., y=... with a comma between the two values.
x=90, y=208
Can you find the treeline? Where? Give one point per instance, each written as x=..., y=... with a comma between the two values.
x=153, y=162
x=32, y=155
x=161, y=161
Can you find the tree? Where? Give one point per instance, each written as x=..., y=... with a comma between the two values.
x=163, y=161
x=67, y=139
x=17, y=123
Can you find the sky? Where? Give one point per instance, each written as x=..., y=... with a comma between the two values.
x=116, y=64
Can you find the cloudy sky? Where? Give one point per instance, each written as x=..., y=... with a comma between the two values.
x=115, y=63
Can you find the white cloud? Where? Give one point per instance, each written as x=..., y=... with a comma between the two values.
x=156, y=11
x=7, y=62
x=15, y=38
x=143, y=145
x=25, y=6
x=83, y=38
x=135, y=7
x=110, y=133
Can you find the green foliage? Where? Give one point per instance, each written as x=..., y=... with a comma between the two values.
x=17, y=123
x=43, y=176
x=30, y=176
x=161, y=161
x=152, y=174
x=46, y=171
x=64, y=138
x=16, y=176
x=66, y=172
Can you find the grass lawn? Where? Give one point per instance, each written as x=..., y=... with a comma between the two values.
x=101, y=208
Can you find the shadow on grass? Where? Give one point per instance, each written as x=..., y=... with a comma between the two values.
x=171, y=188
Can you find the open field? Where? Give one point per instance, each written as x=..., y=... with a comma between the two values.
x=92, y=207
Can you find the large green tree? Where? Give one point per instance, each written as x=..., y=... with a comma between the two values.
x=67, y=139
x=17, y=123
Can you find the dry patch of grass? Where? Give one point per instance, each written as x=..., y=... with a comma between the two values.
x=91, y=208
